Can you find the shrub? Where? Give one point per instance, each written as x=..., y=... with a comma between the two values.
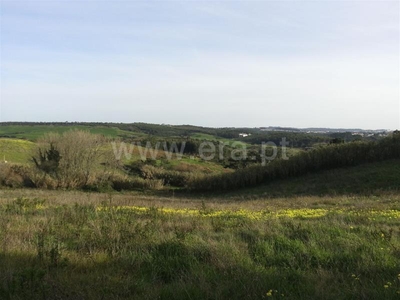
x=15, y=176
x=128, y=183
x=70, y=159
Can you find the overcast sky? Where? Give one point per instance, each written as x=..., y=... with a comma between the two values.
x=229, y=63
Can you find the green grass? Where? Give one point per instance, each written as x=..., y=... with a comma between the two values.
x=16, y=151
x=34, y=132
x=365, y=179
x=327, y=235
x=195, y=165
x=69, y=245
x=209, y=137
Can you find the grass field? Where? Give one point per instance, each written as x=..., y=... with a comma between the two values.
x=74, y=245
x=327, y=235
x=20, y=151
x=366, y=179
x=32, y=133
x=15, y=150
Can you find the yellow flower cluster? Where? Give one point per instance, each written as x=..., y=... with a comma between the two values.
x=304, y=213
x=257, y=215
x=271, y=293
x=249, y=214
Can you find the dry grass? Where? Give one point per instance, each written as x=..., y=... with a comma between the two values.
x=58, y=197
x=76, y=245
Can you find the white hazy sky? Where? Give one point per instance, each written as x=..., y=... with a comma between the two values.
x=227, y=63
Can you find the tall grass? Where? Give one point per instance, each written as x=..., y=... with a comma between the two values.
x=87, y=251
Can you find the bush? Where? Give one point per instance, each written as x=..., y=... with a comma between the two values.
x=128, y=183
x=8, y=176
x=173, y=178
x=70, y=159
x=147, y=170
x=15, y=176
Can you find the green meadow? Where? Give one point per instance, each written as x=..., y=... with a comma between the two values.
x=74, y=245
x=34, y=132
x=324, y=224
x=16, y=150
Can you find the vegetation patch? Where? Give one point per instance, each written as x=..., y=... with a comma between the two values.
x=91, y=251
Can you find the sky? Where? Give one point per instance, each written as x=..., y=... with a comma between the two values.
x=210, y=63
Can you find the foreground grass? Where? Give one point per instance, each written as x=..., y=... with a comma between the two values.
x=70, y=245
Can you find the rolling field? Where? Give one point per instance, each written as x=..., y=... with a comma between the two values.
x=32, y=133
x=20, y=151
x=74, y=245
x=16, y=151
x=332, y=234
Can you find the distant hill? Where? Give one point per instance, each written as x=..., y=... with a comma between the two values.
x=324, y=130
x=300, y=137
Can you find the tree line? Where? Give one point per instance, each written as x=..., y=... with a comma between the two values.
x=324, y=158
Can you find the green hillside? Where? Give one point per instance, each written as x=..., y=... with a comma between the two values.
x=364, y=179
x=16, y=151
x=34, y=132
